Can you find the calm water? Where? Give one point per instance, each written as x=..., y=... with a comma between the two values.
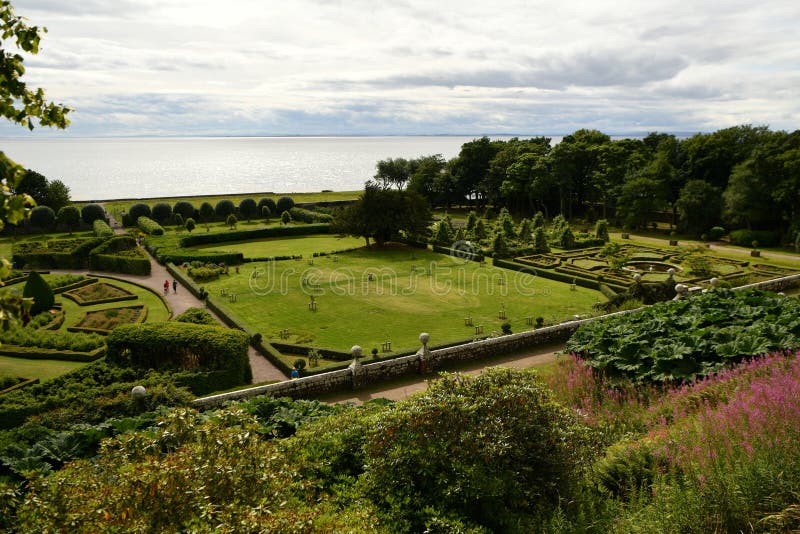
x=101, y=169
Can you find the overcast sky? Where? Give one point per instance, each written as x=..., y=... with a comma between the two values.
x=305, y=67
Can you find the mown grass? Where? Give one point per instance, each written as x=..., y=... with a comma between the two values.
x=397, y=305
x=41, y=369
x=287, y=246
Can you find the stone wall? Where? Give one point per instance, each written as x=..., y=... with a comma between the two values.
x=372, y=373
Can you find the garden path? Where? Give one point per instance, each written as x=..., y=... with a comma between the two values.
x=181, y=300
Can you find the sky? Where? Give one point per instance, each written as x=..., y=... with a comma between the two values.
x=353, y=67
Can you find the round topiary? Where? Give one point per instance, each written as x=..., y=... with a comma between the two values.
x=91, y=212
x=206, y=211
x=299, y=364
x=268, y=202
x=138, y=210
x=184, y=208
x=284, y=204
x=42, y=217
x=189, y=224
x=224, y=208
x=248, y=208
x=162, y=212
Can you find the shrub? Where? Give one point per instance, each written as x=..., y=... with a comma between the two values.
x=538, y=220
x=224, y=208
x=284, y=204
x=69, y=216
x=196, y=316
x=92, y=212
x=120, y=255
x=540, y=241
x=139, y=210
x=601, y=230
x=149, y=226
x=183, y=346
x=499, y=246
x=205, y=273
x=37, y=289
x=248, y=208
x=265, y=213
x=269, y=203
x=162, y=212
x=102, y=229
x=716, y=233
x=299, y=364
x=178, y=218
x=566, y=239
x=206, y=211
x=745, y=238
x=308, y=216
x=286, y=218
x=42, y=217
x=506, y=328
x=189, y=224
x=231, y=221
x=184, y=208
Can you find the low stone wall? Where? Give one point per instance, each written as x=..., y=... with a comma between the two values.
x=373, y=373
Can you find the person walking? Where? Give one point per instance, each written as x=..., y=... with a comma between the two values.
x=166, y=287
x=174, y=287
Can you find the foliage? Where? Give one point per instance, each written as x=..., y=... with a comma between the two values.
x=499, y=246
x=196, y=316
x=161, y=212
x=38, y=290
x=57, y=195
x=42, y=217
x=566, y=239
x=699, y=207
x=698, y=262
x=681, y=340
x=286, y=217
x=716, y=233
x=140, y=209
x=204, y=272
x=184, y=208
x=120, y=255
x=189, y=224
x=248, y=208
x=231, y=221
x=308, y=216
x=495, y=450
x=206, y=211
x=33, y=184
x=601, y=230
x=70, y=216
x=102, y=229
x=92, y=212
x=183, y=346
x=745, y=238
x=443, y=234
x=149, y=226
x=268, y=203
x=224, y=208
x=284, y=204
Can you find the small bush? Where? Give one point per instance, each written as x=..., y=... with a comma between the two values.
x=196, y=316
x=231, y=221
x=299, y=364
x=37, y=288
x=189, y=224
x=506, y=328
x=716, y=233
x=745, y=238
x=102, y=229
x=269, y=203
x=286, y=218
x=149, y=226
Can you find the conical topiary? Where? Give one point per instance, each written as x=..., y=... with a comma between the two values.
x=37, y=289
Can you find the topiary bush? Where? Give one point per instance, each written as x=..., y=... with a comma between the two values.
x=196, y=316
x=37, y=289
x=92, y=212
x=224, y=208
x=248, y=208
x=70, y=216
x=269, y=203
x=189, y=224
x=149, y=226
x=231, y=221
x=716, y=233
x=184, y=208
x=162, y=212
x=139, y=210
x=206, y=211
x=284, y=204
x=286, y=218
x=102, y=229
x=42, y=217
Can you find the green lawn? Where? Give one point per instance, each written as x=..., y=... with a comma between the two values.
x=396, y=306
x=287, y=246
x=41, y=369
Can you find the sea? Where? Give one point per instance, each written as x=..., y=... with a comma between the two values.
x=115, y=168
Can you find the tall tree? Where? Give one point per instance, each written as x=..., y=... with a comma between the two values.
x=34, y=185
x=57, y=195
x=575, y=161
x=699, y=207
x=471, y=167
x=393, y=172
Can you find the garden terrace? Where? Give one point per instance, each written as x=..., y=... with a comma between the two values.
x=104, y=321
x=99, y=293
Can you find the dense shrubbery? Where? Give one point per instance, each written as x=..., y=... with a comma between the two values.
x=308, y=216
x=204, y=272
x=224, y=208
x=681, y=340
x=745, y=238
x=92, y=212
x=102, y=229
x=54, y=254
x=196, y=316
x=183, y=346
x=56, y=340
x=149, y=226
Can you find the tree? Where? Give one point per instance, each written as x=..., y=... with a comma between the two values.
x=37, y=289
x=189, y=224
x=699, y=207
x=178, y=218
x=601, y=230
x=42, y=217
x=265, y=213
x=70, y=216
x=427, y=177
x=443, y=234
x=640, y=197
x=162, y=212
x=540, y=245
x=231, y=221
x=269, y=203
x=392, y=172
x=471, y=167
x=138, y=210
x=499, y=245
x=206, y=211
x=184, y=208
x=92, y=212
x=284, y=204
x=57, y=195
x=224, y=208
x=286, y=217
x=33, y=184
x=382, y=214
x=248, y=208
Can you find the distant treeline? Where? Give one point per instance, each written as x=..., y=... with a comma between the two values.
x=740, y=177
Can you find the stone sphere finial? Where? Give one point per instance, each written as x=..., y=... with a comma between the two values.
x=138, y=392
x=714, y=282
x=356, y=351
x=680, y=288
x=637, y=277
x=670, y=271
x=424, y=338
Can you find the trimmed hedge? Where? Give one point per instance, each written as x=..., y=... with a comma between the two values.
x=244, y=235
x=328, y=354
x=149, y=226
x=308, y=216
x=102, y=229
x=57, y=254
x=545, y=273
x=120, y=255
x=206, y=351
x=142, y=317
x=38, y=353
x=184, y=279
